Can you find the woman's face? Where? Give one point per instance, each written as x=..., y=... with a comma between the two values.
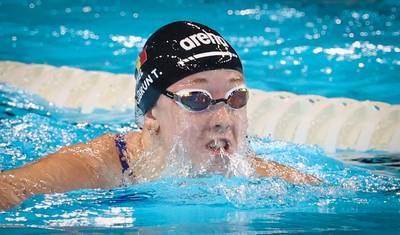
x=207, y=137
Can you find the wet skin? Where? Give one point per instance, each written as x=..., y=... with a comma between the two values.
x=205, y=139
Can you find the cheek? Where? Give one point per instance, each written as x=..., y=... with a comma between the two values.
x=240, y=115
x=167, y=121
x=241, y=122
x=190, y=131
x=176, y=123
x=243, y=118
x=190, y=126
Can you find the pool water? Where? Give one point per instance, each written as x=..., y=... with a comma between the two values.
x=355, y=196
x=332, y=49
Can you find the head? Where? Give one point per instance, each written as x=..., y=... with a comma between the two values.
x=190, y=90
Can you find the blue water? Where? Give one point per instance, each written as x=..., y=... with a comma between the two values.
x=333, y=49
x=355, y=197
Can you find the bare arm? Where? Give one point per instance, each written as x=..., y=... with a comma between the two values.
x=91, y=165
x=270, y=168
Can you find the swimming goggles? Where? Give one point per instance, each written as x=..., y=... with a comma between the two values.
x=197, y=100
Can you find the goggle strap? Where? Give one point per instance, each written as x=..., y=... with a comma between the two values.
x=169, y=94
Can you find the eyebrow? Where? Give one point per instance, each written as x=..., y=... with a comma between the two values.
x=203, y=80
x=236, y=79
x=199, y=80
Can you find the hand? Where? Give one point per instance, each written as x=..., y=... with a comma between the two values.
x=9, y=197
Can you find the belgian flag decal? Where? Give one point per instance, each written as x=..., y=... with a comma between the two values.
x=141, y=60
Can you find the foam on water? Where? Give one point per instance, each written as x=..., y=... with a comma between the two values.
x=181, y=195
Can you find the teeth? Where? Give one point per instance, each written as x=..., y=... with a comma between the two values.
x=216, y=144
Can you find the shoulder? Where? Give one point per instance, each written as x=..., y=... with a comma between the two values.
x=99, y=156
x=92, y=147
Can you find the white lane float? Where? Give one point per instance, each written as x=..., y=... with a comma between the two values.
x=332, y=123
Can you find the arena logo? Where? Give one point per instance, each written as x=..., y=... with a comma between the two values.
x=199, y=39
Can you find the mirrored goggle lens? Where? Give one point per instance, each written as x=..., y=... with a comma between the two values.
x=196, y=100
x=238, y=98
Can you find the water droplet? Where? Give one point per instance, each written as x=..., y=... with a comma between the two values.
x=328, y=70
x=279, y=41
x=317, y=50
x=355, y=15
x=379, y=60
x=287, y=72
x=86, y=9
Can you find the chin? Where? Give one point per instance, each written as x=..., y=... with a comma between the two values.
x=214, y=163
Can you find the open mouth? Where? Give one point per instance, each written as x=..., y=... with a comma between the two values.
x=219, y=146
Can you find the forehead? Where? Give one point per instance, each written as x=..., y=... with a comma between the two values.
x=214, y=78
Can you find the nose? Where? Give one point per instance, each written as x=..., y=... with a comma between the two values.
x=221, y=118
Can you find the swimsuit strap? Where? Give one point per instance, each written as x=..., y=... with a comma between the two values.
x=121, y=146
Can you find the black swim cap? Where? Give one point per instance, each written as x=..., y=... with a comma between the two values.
x=175, y=51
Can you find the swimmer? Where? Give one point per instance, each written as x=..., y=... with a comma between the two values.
x=190, y=106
